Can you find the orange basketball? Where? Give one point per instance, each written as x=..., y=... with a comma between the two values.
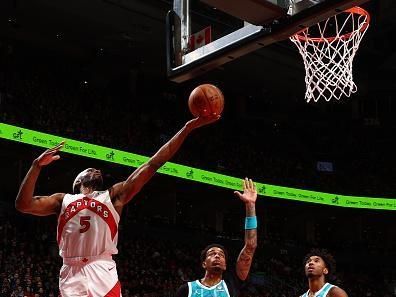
x=206, y=100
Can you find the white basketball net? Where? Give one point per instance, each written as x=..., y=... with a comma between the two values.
x=328, y=60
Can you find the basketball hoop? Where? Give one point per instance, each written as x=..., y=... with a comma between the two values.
x=328, y=50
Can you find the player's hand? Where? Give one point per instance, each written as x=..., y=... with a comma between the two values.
x=249, y=191
x=49, y=155
x=202, y=121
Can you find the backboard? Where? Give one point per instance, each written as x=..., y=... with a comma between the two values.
x=239, y=27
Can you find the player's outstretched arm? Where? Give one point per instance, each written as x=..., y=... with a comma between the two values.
x=39, y=205
x=245, y=257
x=123, y=192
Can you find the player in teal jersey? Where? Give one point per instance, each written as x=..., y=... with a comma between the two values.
x=217, y=282
x=319, y=267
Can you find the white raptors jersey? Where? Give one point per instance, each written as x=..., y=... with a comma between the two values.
x=87, y=225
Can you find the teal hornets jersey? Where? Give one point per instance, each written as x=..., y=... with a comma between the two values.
x=196, y=289
x=322, y=292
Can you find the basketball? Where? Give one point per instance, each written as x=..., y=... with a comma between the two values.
x=206, y=100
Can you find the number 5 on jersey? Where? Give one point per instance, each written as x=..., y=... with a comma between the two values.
x=85, y=224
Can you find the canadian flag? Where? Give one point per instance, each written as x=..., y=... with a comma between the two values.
x=200, y=38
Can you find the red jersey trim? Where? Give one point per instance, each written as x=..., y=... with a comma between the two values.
x=87, y=203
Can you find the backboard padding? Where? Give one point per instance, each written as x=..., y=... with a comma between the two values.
x=257, y=12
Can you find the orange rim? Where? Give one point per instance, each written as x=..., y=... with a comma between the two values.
x=353, y=10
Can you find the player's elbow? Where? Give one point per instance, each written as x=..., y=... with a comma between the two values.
x=18, y=204
x=21, y=206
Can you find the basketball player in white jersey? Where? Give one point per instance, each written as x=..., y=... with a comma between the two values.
x=218, y=281
x=88, y=220
x=319, y=265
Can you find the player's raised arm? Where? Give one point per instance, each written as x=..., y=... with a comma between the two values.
x=123, y=192
x=245, y=257
x=39, y=205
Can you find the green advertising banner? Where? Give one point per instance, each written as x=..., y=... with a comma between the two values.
x=84, y=149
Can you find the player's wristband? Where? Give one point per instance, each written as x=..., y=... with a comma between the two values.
x=250, y=223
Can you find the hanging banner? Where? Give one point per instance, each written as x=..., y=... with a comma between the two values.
x=85, y=149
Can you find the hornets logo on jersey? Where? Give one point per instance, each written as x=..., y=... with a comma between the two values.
x=196, y=289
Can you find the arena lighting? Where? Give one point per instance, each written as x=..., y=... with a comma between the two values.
x=84, y=149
